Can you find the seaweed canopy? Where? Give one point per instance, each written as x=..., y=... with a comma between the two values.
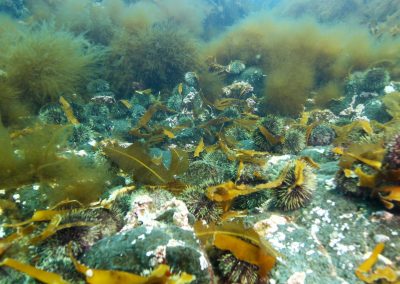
x=38, y=157
x=43, y=63
x=158, y=56
x=299, y=58
x=11, y=109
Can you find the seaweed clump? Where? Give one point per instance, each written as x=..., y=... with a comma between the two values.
x=157, y=56
x=297, y=69
x=43, y=63
x=33, y=157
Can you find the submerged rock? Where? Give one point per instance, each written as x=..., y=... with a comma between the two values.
x=142, y=249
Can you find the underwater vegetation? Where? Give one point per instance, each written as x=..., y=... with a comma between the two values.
x=157, y=57
x=32, y=157
x=206, y=141
x=298, y=60
x=41, y=64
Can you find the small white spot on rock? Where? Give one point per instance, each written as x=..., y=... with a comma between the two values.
x=380, y=238
x=89, y=273
x=203, y=262
x=297, y=278
x=389, y=89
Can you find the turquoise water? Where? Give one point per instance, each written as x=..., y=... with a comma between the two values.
x=206, y=141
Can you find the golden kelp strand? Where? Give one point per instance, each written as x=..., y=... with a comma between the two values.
x=310, y=162
x=244, y=243
x=168, y=133
x=38, y=216
x=126, y=103
x=270, y=137
x=26, y=131
x=342, y=132
x=251, y=156
x=107, y=203
x=200, y=148
x=309, y=129
x=136, y=161
x=299, y=173
x=48, y=231
x=246, y=252
x=239, y=170
x=215, y=121
x=159, y=275
x=305, y=115
x=365, y=180
x=179, y=162
x=228, y=152
x=229, y=190
x=144, y=92
x=41, y=275
x=222, y=104
x=392, y=104
x=365, y=274
x=146, y=117
x=118, y=153
x=68, y=111
x=372, y=163
x=248, y=124
x=233, y=215
x=393, y=196
x=180, y=88
x=8, y=241
x=389, y=195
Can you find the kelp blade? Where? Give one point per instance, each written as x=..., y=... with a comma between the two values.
x=41, y=275
x=245, y=243
x=135, y=160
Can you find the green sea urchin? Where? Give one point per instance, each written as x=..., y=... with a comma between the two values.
x=292, y=194
x=275, y=126
x=295, y=141
x=234, y=270
x=200, y=206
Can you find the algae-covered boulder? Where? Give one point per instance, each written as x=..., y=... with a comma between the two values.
x=145, y=247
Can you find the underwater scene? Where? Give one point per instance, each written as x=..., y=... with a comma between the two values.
x=200, y=141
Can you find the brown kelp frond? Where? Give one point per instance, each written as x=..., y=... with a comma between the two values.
x=378, y=179
x=41, y=275
x=365, y=273
x=392, y=103
x=343, y=132
x=369, y=154
x=244, y=243
x=161, y=274
x=228, y=191
x=136, y=161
